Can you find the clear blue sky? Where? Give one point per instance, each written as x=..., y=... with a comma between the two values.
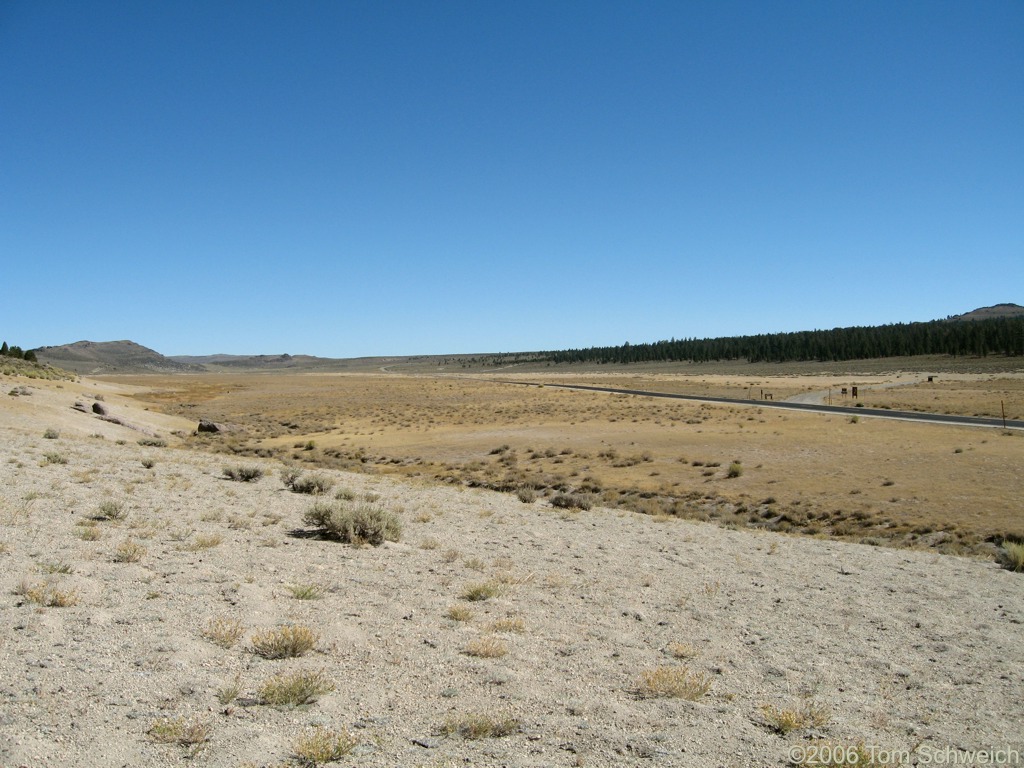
x=354, y=178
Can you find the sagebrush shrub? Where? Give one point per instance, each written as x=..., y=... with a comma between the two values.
x=355, y=524
x=572, y=501
x=243, y=474
x=313, y=484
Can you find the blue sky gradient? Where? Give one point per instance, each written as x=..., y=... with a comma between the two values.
x=368, y=178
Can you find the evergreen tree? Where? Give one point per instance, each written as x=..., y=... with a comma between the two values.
x=4, y=350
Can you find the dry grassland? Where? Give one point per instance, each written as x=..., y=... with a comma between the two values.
x=956, y=489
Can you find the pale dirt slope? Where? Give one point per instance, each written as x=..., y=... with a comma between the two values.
x=903, y=647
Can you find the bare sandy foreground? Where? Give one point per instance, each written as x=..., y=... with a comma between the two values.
x=907, y=651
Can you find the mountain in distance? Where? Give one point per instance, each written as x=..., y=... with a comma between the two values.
x=99, y=357
x=996, y=310
x=94, y=358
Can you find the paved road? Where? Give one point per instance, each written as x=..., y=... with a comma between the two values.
x=882, y=413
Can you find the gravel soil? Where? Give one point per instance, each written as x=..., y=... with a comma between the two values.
x=907, y=650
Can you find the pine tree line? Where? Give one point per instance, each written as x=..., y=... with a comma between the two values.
x=18, y=353
x=979, y=338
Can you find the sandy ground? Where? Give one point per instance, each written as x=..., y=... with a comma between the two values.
x=906, y=650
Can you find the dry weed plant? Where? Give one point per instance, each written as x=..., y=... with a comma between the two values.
x=807, y=714
x=129, y=551
x=46, y=594
x=430, y=543
x=294, y=689
x=480, y=726
x=459, y=613
x=111, y=510
x=178, y=730
x=681, y=650
x=227, y=693
x=223, y=631
x=323, y=745
x=486, y=648
x=284, y=642
x=87, y=530
x=511, y=624
x=672, y=682
x=481, y=591
x=1013, y=556
x=55, y=567
x=306, y=591
x=205, y=541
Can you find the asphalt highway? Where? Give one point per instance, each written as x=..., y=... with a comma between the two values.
x=881, y=413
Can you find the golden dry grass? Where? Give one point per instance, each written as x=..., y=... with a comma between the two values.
x=875, y=480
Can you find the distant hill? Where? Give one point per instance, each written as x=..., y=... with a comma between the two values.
x=97, y=357
x=985, y=313
x=256, y=362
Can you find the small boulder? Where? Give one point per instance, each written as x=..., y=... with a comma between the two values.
x=209, y=426
x=99, y=408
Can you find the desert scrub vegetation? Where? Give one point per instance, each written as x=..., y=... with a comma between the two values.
x=807, y=714
x=478, y=725
x=223, y=631
x=284, y=642
x=51, y=434
x=178, y=730
x=53, y=457
x=111, y=510
x=672, y=682
x=153, y=442
x=314, y=484
x=306, y=591
x=511, y=624
x=355, y=524
x=293, y=689
x=572, y=501
x=459, y=613
x=205, y=541
x=129, y=551
x=46, y=594
x=1012, y=556
x=481, y=590
x=323, y=745
x=243, y=474
x=486, y=648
